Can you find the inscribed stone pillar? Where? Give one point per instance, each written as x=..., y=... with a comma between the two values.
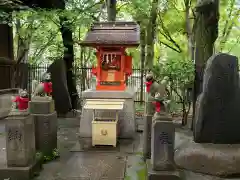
x=162, y=143
x=20, y=139
x=162, y=165
x=43, y=111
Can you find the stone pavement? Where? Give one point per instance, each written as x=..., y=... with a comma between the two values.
x=79, y=165
x=118, y=164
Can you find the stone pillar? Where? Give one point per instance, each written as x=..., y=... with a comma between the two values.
x=162, y=165
x=148, y=115
x=6, y=41
x=45, y=118
x=147, y=137
x=20, y=147
x=6, y=56
x=20, y=142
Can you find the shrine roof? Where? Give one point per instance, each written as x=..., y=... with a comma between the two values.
x=117, y=33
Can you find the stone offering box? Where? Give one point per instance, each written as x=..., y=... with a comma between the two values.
x=20, y=147
x=45, y=118
x=105, y=128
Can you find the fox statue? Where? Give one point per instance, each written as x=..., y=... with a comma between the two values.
x=44, y=88
x=20, y=102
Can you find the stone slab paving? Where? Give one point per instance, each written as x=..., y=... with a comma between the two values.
x=80, y=165
x=94, y=165
x=135, y=168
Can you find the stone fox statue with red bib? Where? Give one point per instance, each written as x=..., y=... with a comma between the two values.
x=44, y=88
x=20, y=102
x=155, y=89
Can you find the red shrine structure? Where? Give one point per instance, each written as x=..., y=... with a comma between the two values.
x=111, y=39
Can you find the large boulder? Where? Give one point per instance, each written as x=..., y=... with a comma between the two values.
x=217, y=118
x=60, y=89
x=215, y=159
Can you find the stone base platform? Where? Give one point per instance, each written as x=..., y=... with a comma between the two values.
x=128, y=146
x=41, y=105
x=221, y=160
x=127, y=122
x=161, y=175
x=20, y=173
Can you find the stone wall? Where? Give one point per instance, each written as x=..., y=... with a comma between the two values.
x=6, y=101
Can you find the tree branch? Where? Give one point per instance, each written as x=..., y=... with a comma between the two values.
x=168, y=36
x=122, y=5
x=165, y=44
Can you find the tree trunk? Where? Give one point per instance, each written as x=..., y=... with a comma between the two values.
x=205, y=35
x=20, y=70
x=143, y=45
x=150, y=36
x=111, y=9
x=189, y=29
x=69, y=59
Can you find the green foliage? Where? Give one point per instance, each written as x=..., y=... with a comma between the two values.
x=229, y=24
x=39, y=30
x=46, y=158
x=178, y=68
x=180, y=71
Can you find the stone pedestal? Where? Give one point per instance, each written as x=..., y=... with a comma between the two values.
x=127, y=122
x=41, y=105
x=20, y=147
x=20, y=142
x=162, y=165
x=161, y=175
x=45, y=118
x=46, y=132
x=147, y=137
x=162, y=143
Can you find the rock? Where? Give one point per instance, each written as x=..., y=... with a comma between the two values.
x=218, y=105
x=60, y=89
x=213, y=159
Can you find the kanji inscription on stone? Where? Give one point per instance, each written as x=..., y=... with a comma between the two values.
x=14, y=134
x=164, y=139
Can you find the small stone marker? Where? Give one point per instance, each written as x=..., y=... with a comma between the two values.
x=162, y=144
x=20, y=148
x=45, y=117
x=20, y=140
x=162, y=165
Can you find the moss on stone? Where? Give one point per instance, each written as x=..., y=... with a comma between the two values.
x=142, y=174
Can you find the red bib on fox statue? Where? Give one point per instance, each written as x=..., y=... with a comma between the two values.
x=22, y=102
x=148, y=86
x=48, y=88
